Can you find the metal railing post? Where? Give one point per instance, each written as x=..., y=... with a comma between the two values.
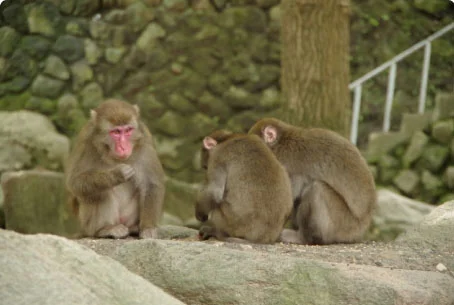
x=424, y=78
x=355, y=115
x=389, y=97
x=392, y=65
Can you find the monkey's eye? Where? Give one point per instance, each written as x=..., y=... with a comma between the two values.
x=115, y=132
x=129, y=130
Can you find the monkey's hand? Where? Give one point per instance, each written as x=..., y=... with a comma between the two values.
x=124, y=172
x=148, y=233
x=206, y=232
x=205, y=203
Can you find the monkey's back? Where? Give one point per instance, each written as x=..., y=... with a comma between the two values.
x=329, y=157
x=258, y=193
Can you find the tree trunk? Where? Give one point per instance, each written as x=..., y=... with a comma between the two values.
x=315, y=64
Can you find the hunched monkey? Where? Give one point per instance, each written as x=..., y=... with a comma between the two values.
x=246, y=195
x=114, y=176
x=333, y=189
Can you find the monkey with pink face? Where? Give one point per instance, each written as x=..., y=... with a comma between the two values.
x=114, y=177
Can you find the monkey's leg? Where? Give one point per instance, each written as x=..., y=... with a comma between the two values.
x=327, y=219
x=113, y=231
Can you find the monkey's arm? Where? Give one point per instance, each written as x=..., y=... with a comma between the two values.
x=94, y=181
x=212, y=193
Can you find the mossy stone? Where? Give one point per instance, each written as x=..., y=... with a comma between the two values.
x=443, y=131
x=91, y=95
x=414, y=151
x=239, y=98
x=17, y=84
x=14, y=102
x=69, y=48
x=201, y=124
x=219, y=83
x=81, y=73
x=35, y=46
x=433, y=186
x=21, y=64
x=14, y=15
x=270, y=99
x=407, y=181
x=114, y=55
x=171, y=123
x=44, y=86
x=213, y=106
x=149, y=36
x=433, y=157
x=138, y=15
x=42, y=105
x=99, y=29
x=54, y=66
x=181, y=104
x=93, y=53
x=9, y=38
x=43, y=18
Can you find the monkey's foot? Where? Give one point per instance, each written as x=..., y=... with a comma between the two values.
x=149, y=233
x=290, y=237
x=116, y=231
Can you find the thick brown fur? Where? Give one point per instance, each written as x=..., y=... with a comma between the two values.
x=247, y=194
x=333, y=189
x=112, y=197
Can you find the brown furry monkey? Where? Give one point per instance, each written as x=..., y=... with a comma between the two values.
x=114, y=176
x=333, y=188
x=247, y=194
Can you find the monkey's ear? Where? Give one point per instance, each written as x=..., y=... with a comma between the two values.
x=93, y=115
x=209, y=143
x=269, y=134
x=136, y=107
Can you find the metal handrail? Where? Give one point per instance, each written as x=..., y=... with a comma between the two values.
x=392, y=65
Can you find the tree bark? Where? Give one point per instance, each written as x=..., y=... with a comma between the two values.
x=315, y=63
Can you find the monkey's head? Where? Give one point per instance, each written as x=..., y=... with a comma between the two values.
x=116, y=129
x=269, y=129
x=210, y=141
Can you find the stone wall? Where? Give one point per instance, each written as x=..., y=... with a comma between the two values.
x=191, y=66
x=418, y=160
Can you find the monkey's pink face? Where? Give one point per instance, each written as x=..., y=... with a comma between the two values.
x=121, y=136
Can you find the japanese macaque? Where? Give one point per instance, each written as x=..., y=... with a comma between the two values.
x=246, y=195
x=114, y=176
x=333, y=188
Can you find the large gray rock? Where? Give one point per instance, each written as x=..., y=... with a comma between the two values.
x=45, y=269
x=435, y=231
x=28, y=139
x=35, y=202
x=396, y=214
x=223, y=273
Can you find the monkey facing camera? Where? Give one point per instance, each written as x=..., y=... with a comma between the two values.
x=114, y=177
x=246, y=195
x=333, y=188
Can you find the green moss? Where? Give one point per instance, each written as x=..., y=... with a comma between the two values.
x=14, y=102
